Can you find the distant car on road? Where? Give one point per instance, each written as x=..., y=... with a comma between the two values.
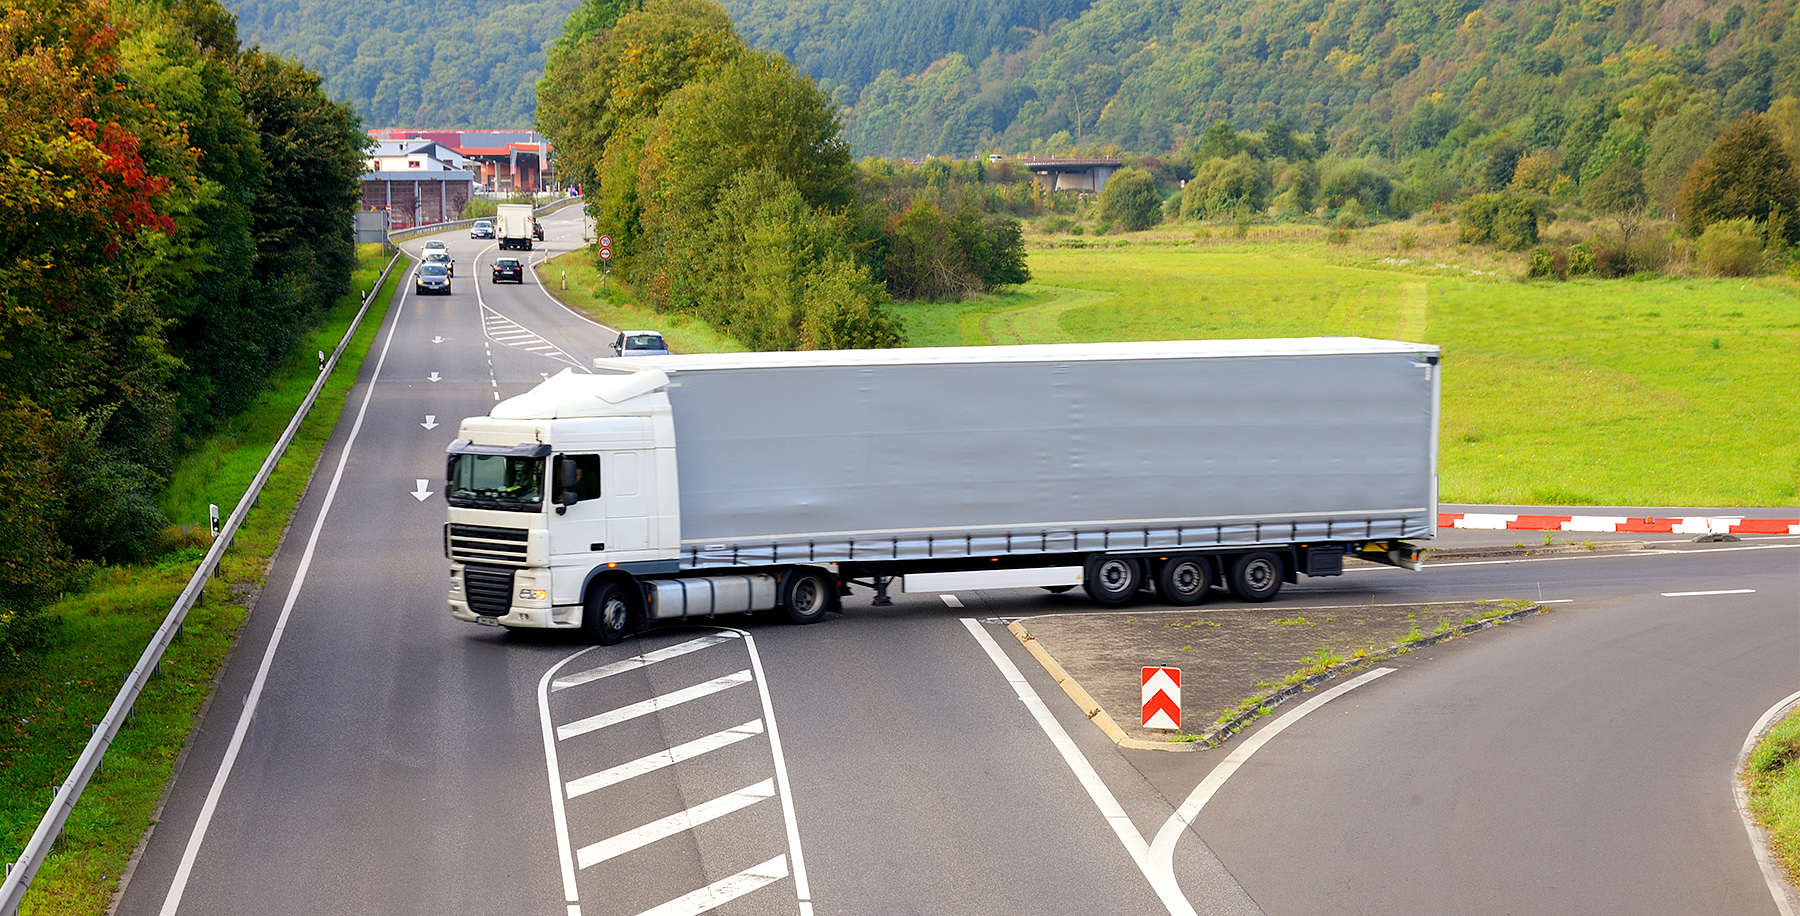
x=483, y=229
x=432, y=278
x=640, y=343
x=509, y=269
x=537, y=229
x=440, y=256
x=436, y=245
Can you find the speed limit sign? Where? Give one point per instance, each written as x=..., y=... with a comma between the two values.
x=605, y=253
x=606, y=241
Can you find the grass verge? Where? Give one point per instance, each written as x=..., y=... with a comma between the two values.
x=1773, y=779
x=573, y=278
x=98, y=635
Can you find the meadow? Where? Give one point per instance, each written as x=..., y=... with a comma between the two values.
x=1636, y=392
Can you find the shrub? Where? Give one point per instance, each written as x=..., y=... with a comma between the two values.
x=1731, y=248
x=1130, y=199
x=1745, y=174
x=1508, y=219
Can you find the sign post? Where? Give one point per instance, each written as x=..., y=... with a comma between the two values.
x=605, y=255
x=1162, y=698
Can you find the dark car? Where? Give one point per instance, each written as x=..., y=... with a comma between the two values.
x=537, y=230
x=509, y=269
x=640, y=343
x=440, y=256
x=432, y=278
x=483, y=229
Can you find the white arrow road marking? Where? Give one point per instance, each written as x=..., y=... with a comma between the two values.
x=627, y=713
x=421, y=494
x=437, y=340
x=430, y=421
x=720, y=893
x=679, y=822
x=650, y=763
x=434, y=377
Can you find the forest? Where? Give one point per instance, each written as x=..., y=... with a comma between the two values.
x=181, y=211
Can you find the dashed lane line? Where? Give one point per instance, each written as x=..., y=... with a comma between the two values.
x=1721, y=591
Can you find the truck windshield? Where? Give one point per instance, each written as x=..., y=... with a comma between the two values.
x=496, y=482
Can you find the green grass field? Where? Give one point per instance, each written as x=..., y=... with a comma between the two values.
x=1664, y=392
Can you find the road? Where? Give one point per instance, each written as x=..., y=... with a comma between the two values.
x=366, y=753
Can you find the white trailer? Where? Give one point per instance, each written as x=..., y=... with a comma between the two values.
x=683, y=486
x=513, y=225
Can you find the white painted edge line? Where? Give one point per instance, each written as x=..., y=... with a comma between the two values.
x=1721, y=591
x=1556, y=601
x=1162, y=849
x=801, y=889
x=1109, y=806
x=558, y=811
x=1778, y=886
x=178, y=884
x=724, y=891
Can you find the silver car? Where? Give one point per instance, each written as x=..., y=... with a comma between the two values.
x=432, y=278
x=640, y=343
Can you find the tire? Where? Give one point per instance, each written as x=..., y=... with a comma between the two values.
x=1112, y=580
x=807, y=594
x=1256, y=577
x=1184, y=580
x=609, y=615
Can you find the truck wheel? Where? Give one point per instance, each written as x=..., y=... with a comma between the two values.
x=1184, y=580
x=1112, y=580
x=1256, y=577
x=807, y=594
x=608, y=615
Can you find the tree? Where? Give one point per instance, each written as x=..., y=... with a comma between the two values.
x=1745, y=174
x=1130, y=199
x=1618, y=191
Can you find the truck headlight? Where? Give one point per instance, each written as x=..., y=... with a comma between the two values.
x=534, y=594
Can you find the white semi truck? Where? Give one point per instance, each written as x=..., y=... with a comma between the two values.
x=669, y=488
x=515, y=225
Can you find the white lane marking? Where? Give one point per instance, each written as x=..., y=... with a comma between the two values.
x=1084, y=771
x=1772, y=875
x=951, y=600
x=720, y=893
x=1595, y=555
x=178, y=885
x=1162, y=849
x=558, y=813
x=679, y=822
x=1722, y=591
x=801, y=890
x=654, y=704
x=1556, y=601
x=650, y=763
x=639, y=661
x=1155, y=861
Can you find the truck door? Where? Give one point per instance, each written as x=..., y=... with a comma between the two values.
x=627, y=506
x=580, y=528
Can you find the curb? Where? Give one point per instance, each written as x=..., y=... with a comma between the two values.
x=1611, y=524
x=1221, y=733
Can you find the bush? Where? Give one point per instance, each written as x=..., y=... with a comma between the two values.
x=1509, y=219
x=1731, y=248
x=1130, y=199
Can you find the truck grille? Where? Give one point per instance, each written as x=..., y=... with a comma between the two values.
x=488, y=589
x=485, y=544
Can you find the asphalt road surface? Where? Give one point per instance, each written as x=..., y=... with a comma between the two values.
x=365, y=753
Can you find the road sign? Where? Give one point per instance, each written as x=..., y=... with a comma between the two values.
x=605, y=253
x=606, y=241
x=1162, y=697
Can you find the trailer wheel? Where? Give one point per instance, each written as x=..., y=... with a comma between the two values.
x=807, y=594
x=1112, y=580
x=608, y=615
x=1256, y=577
x=1184, y=580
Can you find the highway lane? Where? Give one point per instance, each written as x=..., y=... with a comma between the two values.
x=399, y=761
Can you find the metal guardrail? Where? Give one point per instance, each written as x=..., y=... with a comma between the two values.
x=20, y=874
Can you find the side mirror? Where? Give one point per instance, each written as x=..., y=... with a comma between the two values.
x=565, y=480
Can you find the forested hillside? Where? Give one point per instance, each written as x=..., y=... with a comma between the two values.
x=416, y=63
x=1385, y=76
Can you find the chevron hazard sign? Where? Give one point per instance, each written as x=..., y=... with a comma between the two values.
x=1162, y=697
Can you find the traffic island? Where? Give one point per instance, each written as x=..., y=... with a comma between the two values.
x=1236, y=664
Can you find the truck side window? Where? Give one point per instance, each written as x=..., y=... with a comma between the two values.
x=587, y=476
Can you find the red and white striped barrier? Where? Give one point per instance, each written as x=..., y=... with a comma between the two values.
x=1693, y=524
